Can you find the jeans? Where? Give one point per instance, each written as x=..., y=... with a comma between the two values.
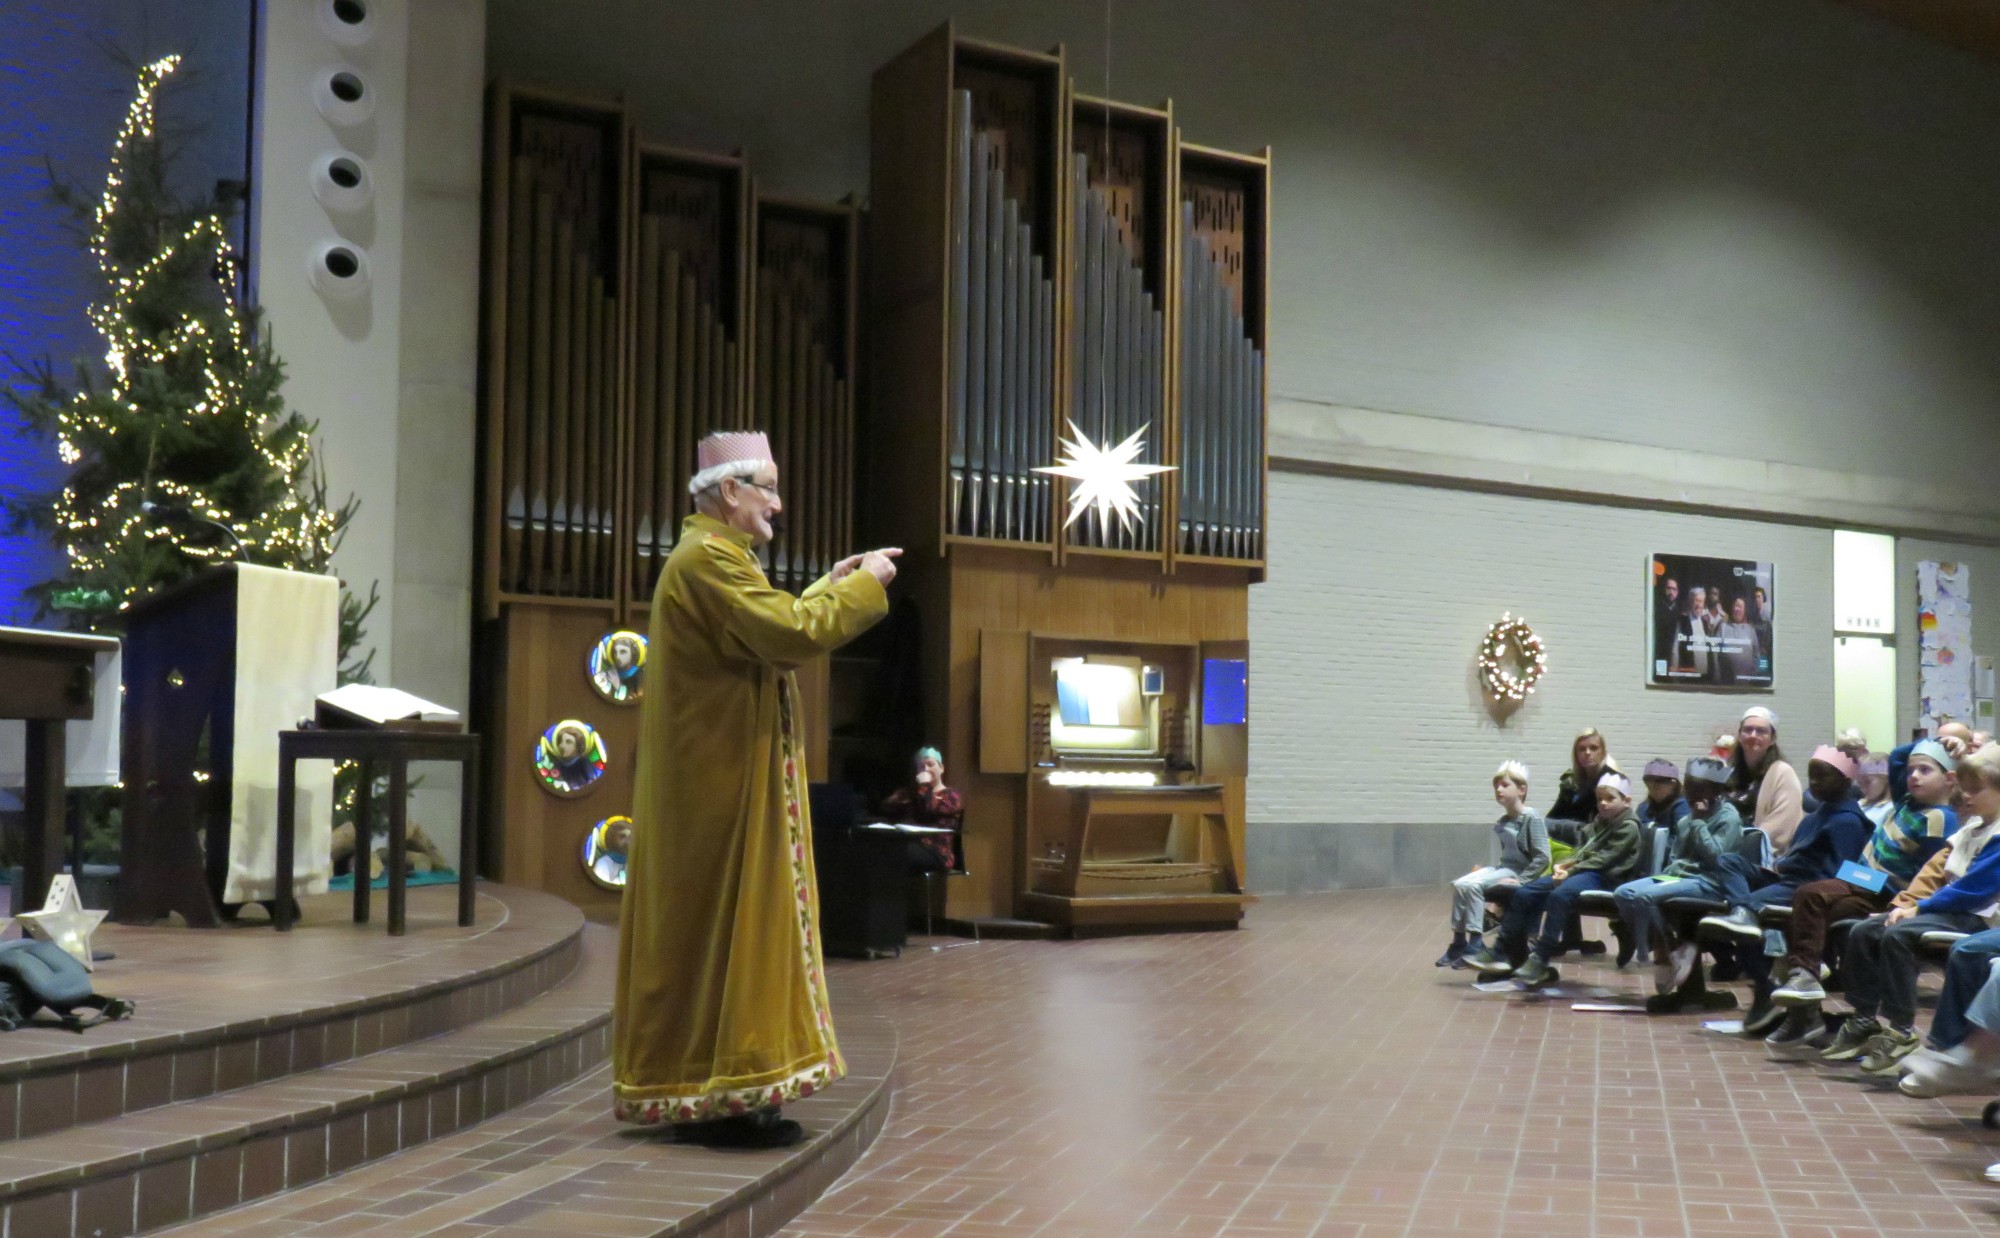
x=1880, y=966
x=1639, y=904
x=1551, y=902
x=1746, y=885
x=1966, y=972
x=1468, y=897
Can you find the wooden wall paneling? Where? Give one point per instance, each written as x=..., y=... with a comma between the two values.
x=909, y=231
x=547, y=650
x=1003, y=702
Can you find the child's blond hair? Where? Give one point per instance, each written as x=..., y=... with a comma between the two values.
x=1514, y=772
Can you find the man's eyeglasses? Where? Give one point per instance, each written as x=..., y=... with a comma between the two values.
x=770, y=490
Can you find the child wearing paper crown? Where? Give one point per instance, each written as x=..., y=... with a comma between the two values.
x=1710, y=831
x=1521, y=853
x=1610, y=847
x=1916, y=828
x=1831, y=834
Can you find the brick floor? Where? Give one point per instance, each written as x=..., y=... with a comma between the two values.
x=1312, y=1074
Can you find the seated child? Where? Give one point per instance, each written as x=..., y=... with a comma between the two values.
x=1903, y=842
x=1664, y=806
x=1834, y=832
x=1710, y=831
x=1876, y=803
x=1522, y=854
x=1609, y=849
x=1959, y=891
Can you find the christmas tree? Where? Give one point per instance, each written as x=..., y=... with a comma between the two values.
x=181, y=452
x=180, y=449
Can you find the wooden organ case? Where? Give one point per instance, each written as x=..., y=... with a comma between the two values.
x=1047, y=268
x=636, y=297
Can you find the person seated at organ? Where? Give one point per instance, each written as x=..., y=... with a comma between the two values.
x=1835, y=832
x=1918, y=828
x=925, y=800
x=1522, y=839
x=1958, y=891
x=1710, y=831
x=1665, y=806
x=1609, y=850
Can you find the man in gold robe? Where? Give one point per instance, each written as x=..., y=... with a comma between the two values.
x=721, y=1011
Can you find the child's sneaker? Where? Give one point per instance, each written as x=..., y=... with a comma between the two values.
x=1852, y=1042
x=1886, y=1052
x=1535, y=972
x=1489, y=960
x=1801, y=988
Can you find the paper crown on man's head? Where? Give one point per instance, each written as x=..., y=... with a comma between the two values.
x=732, y=447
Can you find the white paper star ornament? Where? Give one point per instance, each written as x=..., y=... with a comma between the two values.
x=63, y=922
x=1104, y=476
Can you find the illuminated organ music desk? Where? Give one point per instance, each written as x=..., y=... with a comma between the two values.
x=1114, y=843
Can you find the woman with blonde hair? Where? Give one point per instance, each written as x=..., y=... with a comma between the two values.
x=1576, y=790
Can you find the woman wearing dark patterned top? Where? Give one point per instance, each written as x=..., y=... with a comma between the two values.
x=927, y=801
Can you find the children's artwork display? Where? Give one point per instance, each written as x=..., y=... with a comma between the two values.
x=1944, y=644
x=1708, y=622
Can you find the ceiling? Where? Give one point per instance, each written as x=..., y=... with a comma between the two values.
x=1970, y=24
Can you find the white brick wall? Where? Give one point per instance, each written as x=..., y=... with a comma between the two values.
x=1364, y=704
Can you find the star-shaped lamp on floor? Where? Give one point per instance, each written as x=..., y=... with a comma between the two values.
x=63, y=922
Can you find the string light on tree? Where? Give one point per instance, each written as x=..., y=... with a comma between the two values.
x=184, y=413
x=1511, y=660
x=186, y=408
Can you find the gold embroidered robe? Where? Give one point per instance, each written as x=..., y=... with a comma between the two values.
x=721, y=1005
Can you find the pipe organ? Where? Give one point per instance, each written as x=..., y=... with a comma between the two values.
x=636, y=297
x=1054, y=274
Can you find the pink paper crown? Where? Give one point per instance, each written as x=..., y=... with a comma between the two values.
x=733, y=447
x=1827, y=754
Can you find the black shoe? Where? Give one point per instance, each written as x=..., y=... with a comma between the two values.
x=762, y=1129
x=1764, y=1016
x=1452, y=954
x=1627, y=947
x=1590, y=946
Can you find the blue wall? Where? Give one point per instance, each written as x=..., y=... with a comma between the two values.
x=63, y=91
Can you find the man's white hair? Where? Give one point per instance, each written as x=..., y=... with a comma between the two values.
x=715, y=474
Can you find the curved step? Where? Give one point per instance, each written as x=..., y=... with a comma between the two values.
x=142, y=1171
x=224, y=1009
x=560, y=1165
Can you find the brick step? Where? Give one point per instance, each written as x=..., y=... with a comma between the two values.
x=142, y=1171
x=220, y=1010
x=561, y=1165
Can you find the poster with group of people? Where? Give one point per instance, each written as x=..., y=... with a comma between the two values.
x=1711, y=622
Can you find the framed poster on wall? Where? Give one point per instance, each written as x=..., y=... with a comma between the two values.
x=1708, y=622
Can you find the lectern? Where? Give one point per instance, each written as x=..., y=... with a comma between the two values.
x=214, y=668
x=49, y=683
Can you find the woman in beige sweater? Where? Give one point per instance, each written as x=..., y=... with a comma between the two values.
x=1764, y=787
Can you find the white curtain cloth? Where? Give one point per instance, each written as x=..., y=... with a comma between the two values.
x=287, y=653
